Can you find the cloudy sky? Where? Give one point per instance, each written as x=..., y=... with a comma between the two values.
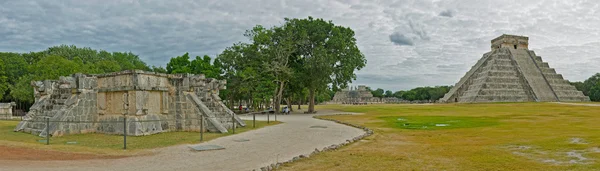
x=408, y=43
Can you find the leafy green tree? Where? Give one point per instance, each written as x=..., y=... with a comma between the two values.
x=3, y=79
x=276, y=47
x=378, y=93
x=594, y=92
x=158, y=69
x=204, y=66
x=327, y=54
x=398, y=94
x=179, y=64
x=22, y=90
x=388, y=93
x=52, y=67
x=588, y=87
x=14, y=66
x=129, y=61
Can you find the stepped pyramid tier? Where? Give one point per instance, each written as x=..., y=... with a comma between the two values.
x=512, y=73
x=149, y=102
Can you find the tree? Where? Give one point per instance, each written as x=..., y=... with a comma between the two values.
x=22, y=90
x=589, y=87
x=378, y=93
x=179, y=64
x=52, y=67
x=327, y=54
x=398, y=94
x=595, y=92
x=158, y=69
x=388, y=93
x=276, y=47
x=204, y=66
x=3, y=79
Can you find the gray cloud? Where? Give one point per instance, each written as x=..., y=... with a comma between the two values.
x=424, y=49
x=400, y=39
x=447, y=13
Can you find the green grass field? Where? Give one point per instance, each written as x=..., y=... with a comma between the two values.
x=498, y=136
x=108, y=144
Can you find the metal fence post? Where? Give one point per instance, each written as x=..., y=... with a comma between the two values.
x=233, y=123
x=47, y=131
x=124, y=132
x=201, y=127
x=253, y=120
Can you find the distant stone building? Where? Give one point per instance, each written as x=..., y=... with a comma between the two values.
x=6, y=110
x=151, y=103
x=357, y=95
x=512, y=73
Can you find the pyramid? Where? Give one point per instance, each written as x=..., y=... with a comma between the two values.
x=512, y=73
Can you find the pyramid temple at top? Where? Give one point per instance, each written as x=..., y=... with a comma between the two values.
x=512, y=73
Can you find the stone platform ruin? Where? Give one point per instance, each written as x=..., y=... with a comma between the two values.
x=512, y=73
x=151, y=103
x=6, y=110
x=355, y=95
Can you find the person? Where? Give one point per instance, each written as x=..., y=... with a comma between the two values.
x=286, y=110
x=241, y=108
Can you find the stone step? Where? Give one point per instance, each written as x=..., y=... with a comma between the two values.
x=574, y=98
x=498, y=67
x=496, y=79
x=548, y=70
x=558, y=81
x=503, y=92
x=566, y=93
x=558, y=87
x=500, y=61
x=495, y=98
x=553, y=76
x=498, y=73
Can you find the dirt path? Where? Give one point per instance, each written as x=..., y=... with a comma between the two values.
x=268, y=145
x=578, y=104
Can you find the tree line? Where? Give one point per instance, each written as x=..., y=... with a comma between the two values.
x=416, y=94
x=590, y=87
x=17, y=70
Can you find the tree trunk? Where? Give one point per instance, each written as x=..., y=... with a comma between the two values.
x=288, y=103
x=278, y=97
x=299, y=102
x=311, y=101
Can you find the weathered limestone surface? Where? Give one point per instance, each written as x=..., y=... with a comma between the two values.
x=6, y=110
x=148, y=102
x=512, y=73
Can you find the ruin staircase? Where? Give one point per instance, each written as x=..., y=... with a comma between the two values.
x=220, y=104
x=208, y=114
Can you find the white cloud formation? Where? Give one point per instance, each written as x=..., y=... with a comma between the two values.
x=446, y=37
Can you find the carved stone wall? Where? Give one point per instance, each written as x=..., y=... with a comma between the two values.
x=151, y=103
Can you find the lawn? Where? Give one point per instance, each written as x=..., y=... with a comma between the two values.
x=496, y=136
x=109, y=144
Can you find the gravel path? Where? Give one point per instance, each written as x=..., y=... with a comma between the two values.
x=268, y=145
x=579, y=104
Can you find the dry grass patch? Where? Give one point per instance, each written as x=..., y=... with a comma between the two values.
x=497, y=136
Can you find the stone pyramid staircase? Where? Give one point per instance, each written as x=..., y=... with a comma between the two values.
x=512, y=75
